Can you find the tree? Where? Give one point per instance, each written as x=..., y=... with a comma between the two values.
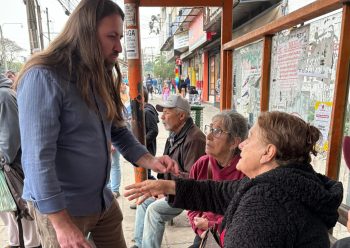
x=11, y=50
x=148, y=68
x=163, y=69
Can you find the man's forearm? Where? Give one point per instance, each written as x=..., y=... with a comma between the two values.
x=145, y=161
x=61, y=220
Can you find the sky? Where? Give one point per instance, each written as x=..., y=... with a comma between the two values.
x=13, y=20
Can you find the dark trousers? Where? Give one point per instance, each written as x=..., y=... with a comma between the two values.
x=342, y=243
x=196, y=242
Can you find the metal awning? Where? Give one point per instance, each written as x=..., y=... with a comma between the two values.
x=243, y=11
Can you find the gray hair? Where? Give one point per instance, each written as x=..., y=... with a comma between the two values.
x=234, y=123
x=187, y=114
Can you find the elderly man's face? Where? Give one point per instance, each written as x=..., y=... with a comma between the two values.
x=172, y=119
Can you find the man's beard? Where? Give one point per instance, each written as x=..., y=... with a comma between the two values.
x=109, y=66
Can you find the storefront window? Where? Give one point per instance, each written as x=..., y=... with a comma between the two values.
x=303, y=68
x=246, y=80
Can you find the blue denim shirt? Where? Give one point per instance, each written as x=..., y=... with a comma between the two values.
x=65, y=153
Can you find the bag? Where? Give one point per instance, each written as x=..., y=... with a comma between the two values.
x=210, y=240
x=14, y=178
x=7, y=204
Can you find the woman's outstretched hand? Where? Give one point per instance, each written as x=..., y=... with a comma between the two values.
x=142, y=191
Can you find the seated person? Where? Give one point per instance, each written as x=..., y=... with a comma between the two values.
x=185, y=144
x=345, y=242
x=282, y=202
x=224, y=134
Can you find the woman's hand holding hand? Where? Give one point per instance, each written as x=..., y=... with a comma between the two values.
x=201, y=223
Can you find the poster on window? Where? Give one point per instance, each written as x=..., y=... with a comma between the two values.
x=322, y=119
x=287, y=49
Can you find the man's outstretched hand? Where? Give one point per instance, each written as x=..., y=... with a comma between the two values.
x=163, y=164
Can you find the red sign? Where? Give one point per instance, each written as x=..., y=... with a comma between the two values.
x=178, y=61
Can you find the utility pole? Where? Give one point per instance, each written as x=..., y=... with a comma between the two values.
x=48, y=24
x=40, y=25
x=32, y=26
x=133, y=52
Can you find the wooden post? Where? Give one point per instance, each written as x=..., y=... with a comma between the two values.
x=226, y=55
x=265, y=74
x=133, y=52
x=340, y=97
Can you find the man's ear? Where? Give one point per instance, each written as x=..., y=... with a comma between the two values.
x=269, y=155
x=182, y=116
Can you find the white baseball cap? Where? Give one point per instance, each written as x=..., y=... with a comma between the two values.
x=174, y=101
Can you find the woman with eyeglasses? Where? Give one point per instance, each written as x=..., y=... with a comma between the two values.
x=223, y=136
x=282, y=202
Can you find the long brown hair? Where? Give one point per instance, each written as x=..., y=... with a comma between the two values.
x=77, y=51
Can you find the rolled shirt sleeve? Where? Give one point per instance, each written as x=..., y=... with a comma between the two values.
x=39, y=103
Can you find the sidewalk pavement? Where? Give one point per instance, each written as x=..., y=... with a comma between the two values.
x=180, y=234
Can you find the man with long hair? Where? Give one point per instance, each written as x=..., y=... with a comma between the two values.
x=69, y=112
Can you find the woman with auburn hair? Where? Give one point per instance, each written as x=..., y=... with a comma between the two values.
x=69, y=112
x=282, y=202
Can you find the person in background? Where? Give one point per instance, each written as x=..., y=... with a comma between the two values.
x=125, y=97
x=151, y=123
x=182, y=87
x=11, y=75
x=165, y=92
x=282, y=202
x=187, y=82
x=227, y=130
x=186, y=143
x=10, y=153
x=149, y=85
x=70, y=111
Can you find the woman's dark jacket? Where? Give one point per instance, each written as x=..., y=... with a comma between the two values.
x=290, y=206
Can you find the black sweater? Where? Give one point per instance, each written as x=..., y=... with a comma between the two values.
x=290, y=206
x=151, y=120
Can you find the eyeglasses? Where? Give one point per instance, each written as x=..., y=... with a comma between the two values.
x=216, y=132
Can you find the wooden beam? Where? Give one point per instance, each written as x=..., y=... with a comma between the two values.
x=226, y=56
x=304, y=14
x=181, y=3
x=340, y=98
x=265, y=74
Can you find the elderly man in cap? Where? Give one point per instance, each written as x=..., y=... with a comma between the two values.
x=185, y=144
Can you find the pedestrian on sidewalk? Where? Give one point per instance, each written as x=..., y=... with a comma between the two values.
x=165, y=92
x=10, y=153
x=69, y=113
x=115, y=175
x=186, y=143
x=151, y=124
